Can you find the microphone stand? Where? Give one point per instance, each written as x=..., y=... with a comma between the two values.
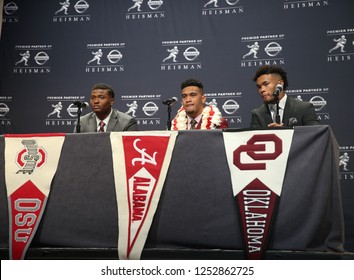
x=78, y=125
x=169, y=103
x=277, y=116
x=169, y=123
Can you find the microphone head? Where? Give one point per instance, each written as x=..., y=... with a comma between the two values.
x=81, y=104
x=84, y=104
x=279, y=87
x=170, y=102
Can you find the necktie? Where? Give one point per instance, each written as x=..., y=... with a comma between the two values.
x=102, y=124
x=273, y=110
x=193, y=123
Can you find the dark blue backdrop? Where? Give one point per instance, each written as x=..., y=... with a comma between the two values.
x=51, y=54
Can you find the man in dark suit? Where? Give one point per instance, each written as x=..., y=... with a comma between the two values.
x=194, y=114
x=291, y=111
x=104, y=118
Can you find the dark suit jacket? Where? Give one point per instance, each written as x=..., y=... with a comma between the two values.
x=118, y=122
x=296, y=112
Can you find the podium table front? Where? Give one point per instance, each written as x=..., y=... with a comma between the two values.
x=197, y=210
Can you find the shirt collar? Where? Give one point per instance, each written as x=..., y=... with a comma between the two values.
x=106, y=120
x=282, y=103
x=197, y=118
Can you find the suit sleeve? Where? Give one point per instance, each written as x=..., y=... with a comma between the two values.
x=132, y=125
x=255, y=120
x=310, y=117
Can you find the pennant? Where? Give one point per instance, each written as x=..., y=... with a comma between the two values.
x=140, y=164
x=31, y=161
x=257, y=161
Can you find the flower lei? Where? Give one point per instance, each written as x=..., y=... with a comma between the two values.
x=211, y=118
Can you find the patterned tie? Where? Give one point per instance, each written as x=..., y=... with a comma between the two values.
x=193, y=123
x=273, y=111
x=102, y=124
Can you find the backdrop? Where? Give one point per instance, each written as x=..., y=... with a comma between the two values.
x=52, y=52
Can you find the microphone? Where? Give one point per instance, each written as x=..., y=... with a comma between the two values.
x=170, y=101
x=278, y=89
x=81, y=104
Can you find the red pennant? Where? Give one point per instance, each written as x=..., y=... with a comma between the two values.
x=143, y=161
x=256, y=207
x=26, y=205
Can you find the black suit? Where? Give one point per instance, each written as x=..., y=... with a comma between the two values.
x=296, y=112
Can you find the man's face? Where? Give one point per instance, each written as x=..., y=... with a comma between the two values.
x=193, y=100
x=101, y=102
x=266, y=85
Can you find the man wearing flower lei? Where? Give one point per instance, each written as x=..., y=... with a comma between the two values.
x=194, y=114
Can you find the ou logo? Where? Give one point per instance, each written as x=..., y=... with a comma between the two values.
x=252, y=149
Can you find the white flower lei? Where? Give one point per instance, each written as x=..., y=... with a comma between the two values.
x=211, y=118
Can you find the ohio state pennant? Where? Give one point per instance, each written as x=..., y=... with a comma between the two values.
x=31, y=161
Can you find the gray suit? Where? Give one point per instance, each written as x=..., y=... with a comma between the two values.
x=118, y=122
x=296, y=112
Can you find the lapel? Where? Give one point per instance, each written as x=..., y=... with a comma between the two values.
x=288, y=110
x=92, y=124
x=199, y=125
x=112, y=121
x=267, y=114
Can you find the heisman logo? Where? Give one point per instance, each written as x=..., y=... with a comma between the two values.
x=30, y=157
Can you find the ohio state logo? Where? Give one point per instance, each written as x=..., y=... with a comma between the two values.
x=30, y=157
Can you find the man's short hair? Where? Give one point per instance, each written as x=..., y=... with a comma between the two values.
x=192, y=83
x=104, y=87
x=266, y=69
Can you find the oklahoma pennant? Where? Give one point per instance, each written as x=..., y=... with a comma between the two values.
x=140, y=164
x=31, y=161
x=257, y=161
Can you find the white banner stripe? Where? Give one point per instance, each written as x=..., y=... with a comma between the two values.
x=18, y=170
x=261, y=154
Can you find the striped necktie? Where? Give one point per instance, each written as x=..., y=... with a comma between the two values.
x=193, y=123
x=102, y=124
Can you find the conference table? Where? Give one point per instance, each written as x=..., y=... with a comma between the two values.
x=197, y=216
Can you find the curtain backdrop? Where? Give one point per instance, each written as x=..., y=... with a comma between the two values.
x=52, y=52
